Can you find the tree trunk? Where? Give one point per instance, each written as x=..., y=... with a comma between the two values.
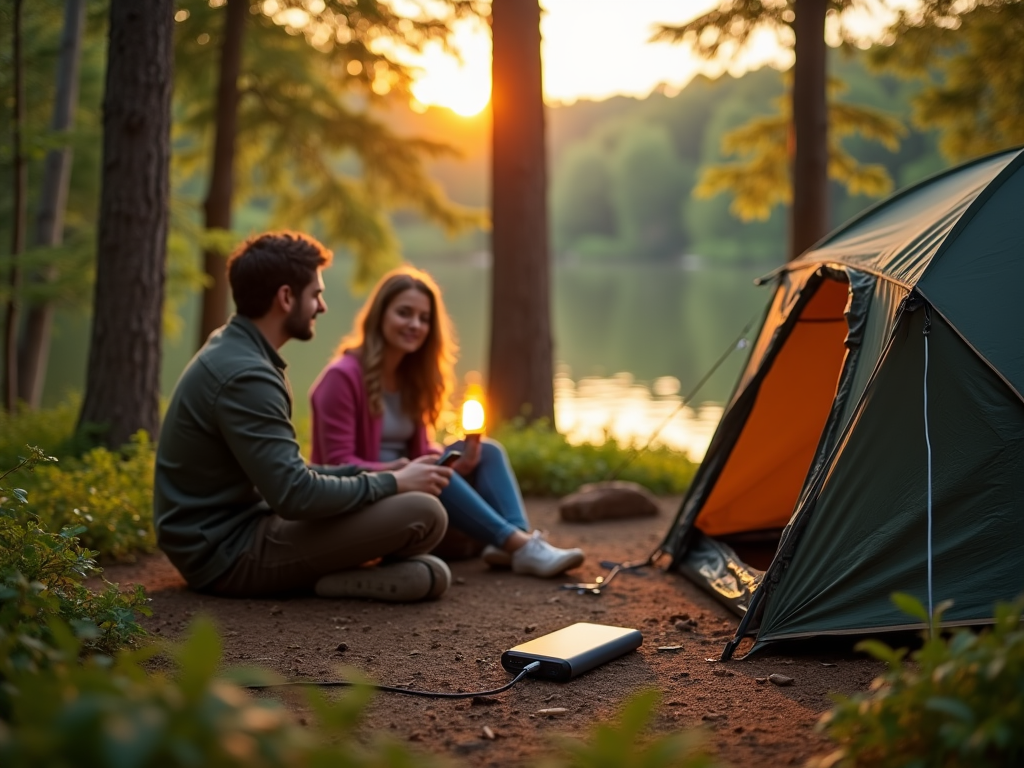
x=122, y=390
x=521, y=372
x=35, y=344
x=809, y=213
x=218, y=198
x=18, y=224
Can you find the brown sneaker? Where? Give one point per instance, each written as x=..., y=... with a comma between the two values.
x=420, y=577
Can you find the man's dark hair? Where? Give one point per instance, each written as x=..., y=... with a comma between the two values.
x=262, y=264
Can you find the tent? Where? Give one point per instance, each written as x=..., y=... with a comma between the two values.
x=875, y=438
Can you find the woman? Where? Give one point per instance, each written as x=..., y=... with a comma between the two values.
x=372, y=404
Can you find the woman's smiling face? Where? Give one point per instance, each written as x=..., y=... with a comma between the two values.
x=406, y=321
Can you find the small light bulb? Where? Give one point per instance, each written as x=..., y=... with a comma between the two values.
x=472, y=416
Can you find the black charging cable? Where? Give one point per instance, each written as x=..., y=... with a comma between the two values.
x=393, y=689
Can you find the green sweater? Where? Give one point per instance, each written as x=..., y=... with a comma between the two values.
x=228, y=456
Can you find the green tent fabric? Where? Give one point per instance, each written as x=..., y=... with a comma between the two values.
x=868, y=538
x=847, y=530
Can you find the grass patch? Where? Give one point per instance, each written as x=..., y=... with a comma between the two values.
x=546, y=464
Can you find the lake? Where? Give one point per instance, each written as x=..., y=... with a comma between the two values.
x=629, y=342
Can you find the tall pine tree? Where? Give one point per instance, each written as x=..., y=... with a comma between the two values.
x=799, y=24
x=520, y=378
x=122, y=390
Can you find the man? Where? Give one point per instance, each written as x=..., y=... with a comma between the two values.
x=237, y=510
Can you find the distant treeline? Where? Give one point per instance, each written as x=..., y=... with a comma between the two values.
x=624, y=169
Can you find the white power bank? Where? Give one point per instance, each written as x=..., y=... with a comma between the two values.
x=571, y=651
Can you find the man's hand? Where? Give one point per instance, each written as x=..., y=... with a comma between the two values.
x=423, y=474
x=391, y=466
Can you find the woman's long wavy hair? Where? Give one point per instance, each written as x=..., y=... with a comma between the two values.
x=426, y=376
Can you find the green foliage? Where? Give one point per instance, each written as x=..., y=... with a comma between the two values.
x=959, y=701
x=52, y=427
x=109, y=494
x=41, y=580
x=761, y=179
x=111, y=712
x=968, y=57
x=310, y=80
x=546, y=464
x=621, y=744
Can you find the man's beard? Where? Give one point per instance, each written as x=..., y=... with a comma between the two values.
x=297, y=326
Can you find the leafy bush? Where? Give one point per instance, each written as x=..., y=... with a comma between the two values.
x=41, y=580
x=547, y=464
x=959, y=703
x=107, y=495
x=51, y=427
x=109, y=712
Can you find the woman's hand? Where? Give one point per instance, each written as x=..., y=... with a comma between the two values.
x=423, y=474
x=470, y=458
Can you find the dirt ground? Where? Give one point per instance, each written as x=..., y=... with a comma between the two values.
x=455, y=644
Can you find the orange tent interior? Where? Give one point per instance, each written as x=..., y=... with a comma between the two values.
x=762, y=479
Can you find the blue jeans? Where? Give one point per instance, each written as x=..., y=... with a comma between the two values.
x=487, y=505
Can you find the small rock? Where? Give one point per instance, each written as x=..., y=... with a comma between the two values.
x=679, y=617
x=294, y=647
x=760, y=680
x=552, y=711
x=607, y=501
x=714, y=716
x=489, y=734
x=529, y=628
x=828, y=664
x=778, y=679
x=555, y=599
x=467, y=747
x=460, y=580
x=416, y=736
x=669, y=648
x=341, y=648
x=552, y=697
x=738, y=729
x=414, y=653
x=483, y=701
x=276, y=610
x=676, y=703
x=721, y=672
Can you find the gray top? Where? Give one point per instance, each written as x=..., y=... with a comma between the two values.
x=396, y=429
x=228, y=456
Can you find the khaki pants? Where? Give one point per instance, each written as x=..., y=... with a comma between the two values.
x=291, y=555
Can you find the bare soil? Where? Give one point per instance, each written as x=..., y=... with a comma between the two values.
x=455, y=644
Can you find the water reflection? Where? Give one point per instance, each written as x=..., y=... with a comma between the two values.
x=595, y=408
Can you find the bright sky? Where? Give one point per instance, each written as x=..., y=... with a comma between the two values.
x=592, y=49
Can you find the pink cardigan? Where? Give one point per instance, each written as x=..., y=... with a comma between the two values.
x=344, y=431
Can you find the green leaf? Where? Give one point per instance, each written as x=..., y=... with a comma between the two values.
x=911, y=605
x=950, y=706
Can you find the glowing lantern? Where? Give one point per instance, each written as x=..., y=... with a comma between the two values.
x=473, y=417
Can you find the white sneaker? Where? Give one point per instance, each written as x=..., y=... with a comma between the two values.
x=539, y=558
x=496, y=557
x=420, y=577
